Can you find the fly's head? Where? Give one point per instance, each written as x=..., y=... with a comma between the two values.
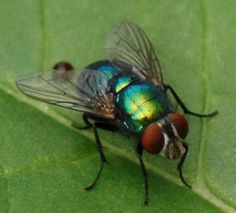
x=166, y=136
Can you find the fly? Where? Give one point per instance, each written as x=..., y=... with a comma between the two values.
x=125, y=93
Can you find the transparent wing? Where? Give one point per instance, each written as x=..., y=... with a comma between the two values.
x=127, y=44
x=84, y=91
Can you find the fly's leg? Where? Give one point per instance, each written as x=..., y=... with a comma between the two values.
x=99, y=147
x=86, y=121
x=102, y=158
x=185, y=109
x=101, y=125
x=180, y=165
x=139, y=152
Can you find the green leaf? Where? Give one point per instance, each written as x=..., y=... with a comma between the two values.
x=45, y=163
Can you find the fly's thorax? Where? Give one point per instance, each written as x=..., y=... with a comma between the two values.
x=138, y=102
x=165, y=136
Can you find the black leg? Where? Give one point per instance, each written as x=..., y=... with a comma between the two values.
x=107, y=126
x=139, y=151
x=102, y=158
x=104, y=124
x=180, y=165
x=86, y=121
x=185, y=109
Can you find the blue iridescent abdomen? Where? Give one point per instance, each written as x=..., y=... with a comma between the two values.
x=140, y=103
x=108, y=69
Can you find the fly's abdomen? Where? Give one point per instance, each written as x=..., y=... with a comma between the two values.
x=139, y=104
x=105, y=67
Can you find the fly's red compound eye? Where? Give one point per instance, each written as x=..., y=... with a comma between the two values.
x=180, y=123
x=153, y=139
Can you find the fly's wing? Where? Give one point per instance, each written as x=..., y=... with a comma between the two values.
x=84, y=91
x=127, y=44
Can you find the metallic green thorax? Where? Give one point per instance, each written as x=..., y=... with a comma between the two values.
x=139, y=103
